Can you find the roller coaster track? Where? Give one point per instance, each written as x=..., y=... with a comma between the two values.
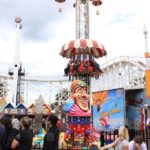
x=125, y=71
x=122, y=72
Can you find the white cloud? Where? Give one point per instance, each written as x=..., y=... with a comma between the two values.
x=119, y=27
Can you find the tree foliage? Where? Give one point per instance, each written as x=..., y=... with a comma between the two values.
x=3, y=88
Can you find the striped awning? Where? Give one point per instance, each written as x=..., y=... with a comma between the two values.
x=60, y=1
x=83, y=46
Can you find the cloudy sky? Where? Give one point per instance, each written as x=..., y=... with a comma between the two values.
x=119, y=27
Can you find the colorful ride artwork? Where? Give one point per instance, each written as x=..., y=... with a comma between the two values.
x=80, y=133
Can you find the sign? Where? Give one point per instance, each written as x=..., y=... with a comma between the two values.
x=14, y=111
x=108, y=109
x=11, y=111
x=22, y=111
x=135, y=100
x=147, y=82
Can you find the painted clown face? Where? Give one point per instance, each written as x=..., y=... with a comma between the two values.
x=81, y=98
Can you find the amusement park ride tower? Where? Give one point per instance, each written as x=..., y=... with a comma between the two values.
x=81, y=67
x=16, y=70
x=83, y=51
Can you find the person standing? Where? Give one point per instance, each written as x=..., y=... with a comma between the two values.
x=10, y=133
x=23, y=140
x=15, y=123
x=2, y=135
x=121, y=143
x=148, y=123
x=137, y=144
x=51, y=139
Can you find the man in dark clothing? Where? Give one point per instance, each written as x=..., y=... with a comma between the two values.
x=23, y=141
x=52, y=137
x=10, y=133
x=2, y=135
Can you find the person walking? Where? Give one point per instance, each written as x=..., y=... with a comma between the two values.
x=51, y=138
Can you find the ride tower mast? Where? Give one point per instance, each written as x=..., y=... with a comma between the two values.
x=82, y=19
x=82, y=32
x=16, y=70
x=83, y=51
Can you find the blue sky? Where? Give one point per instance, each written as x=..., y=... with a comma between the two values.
x=119, y=27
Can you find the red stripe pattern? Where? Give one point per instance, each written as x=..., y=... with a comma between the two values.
x=60, y=1
x=83, y=46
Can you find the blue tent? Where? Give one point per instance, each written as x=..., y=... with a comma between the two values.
x=21, y=106
x=22, y=110
x=9, y=106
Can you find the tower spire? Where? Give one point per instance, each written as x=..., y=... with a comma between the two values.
x=16, y=71
x=147, y=55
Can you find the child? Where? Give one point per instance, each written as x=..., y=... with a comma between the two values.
x=121, y=142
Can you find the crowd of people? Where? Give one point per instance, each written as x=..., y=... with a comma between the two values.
x=84, y=67
x=122, y=142
x=17, y=134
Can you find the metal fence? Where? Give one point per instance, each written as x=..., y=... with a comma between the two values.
x=38, y=146
x=109, y=137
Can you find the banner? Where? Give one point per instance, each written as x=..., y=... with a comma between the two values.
x=11, y=111
x=147, y=83
x=108, y=109
x=135, y=101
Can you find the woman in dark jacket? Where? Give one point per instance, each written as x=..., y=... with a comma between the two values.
x=2, y=135
x=10, y=133
x=51, y=139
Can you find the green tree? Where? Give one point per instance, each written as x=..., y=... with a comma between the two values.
x=3, y=88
